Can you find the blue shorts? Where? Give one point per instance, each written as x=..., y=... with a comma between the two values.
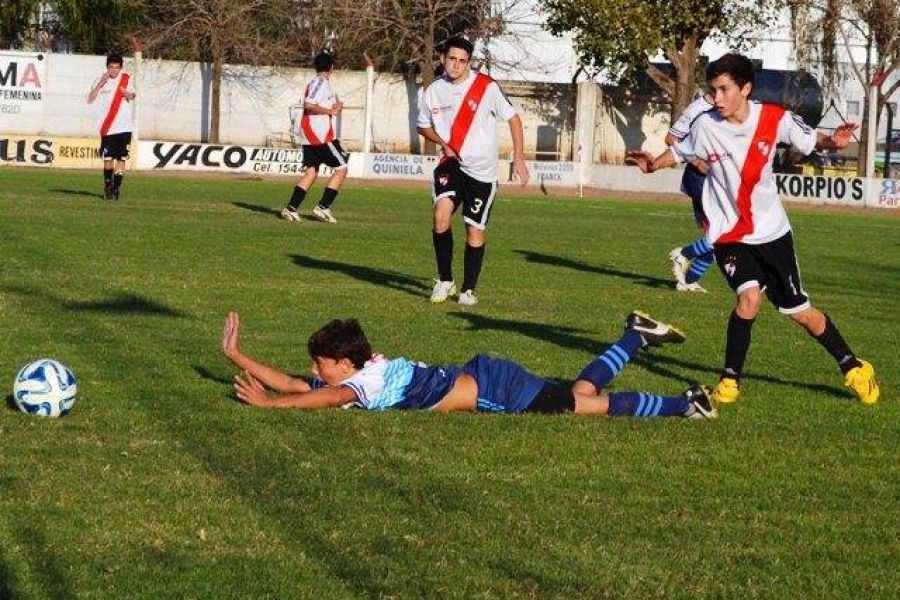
x=692, y=184
x=503, y=386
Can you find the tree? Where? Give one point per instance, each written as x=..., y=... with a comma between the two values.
x=822, y=28
x=620, y=37
x=16, y=18
x=95, y=26
x=258, y=32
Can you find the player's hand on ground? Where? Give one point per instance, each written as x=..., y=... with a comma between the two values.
x=641, y=158
x=230, y=335
x=249, y=390
x=843, y=134
x=520, y=169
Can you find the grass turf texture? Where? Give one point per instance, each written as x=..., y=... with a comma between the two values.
x=160, y=485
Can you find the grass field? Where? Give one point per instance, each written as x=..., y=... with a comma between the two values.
x=160, y=485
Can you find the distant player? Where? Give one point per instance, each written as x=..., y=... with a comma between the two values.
x=690, y=262
x=459, y=112
x=320, y=146
x=748, y=226
x=113, y=93
x=346, y=373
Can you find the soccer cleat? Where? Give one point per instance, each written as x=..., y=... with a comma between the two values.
x=862, y=381
x=468, y=298
x=680, y=265
x=290, y=214
x=699, y=404
x=108, y=191
x=324, y=214
x=442, y=290
x=653, y=332
x=690, y=287
x=726, y=391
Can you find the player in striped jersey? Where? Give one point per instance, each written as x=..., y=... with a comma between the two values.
x=690, y=262
x=459, y=112
x=113, y=93
x=346, y=373
x=320, y=146
x=748, y=226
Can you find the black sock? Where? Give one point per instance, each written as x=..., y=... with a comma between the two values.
x=107, y=177
x=473, y=258
x=117, y=179
x=443, y=252
x=737, y=342
x=328, y=197
x=832, y=341
x=297, y=197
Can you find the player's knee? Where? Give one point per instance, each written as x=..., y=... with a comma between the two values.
x=748, y=303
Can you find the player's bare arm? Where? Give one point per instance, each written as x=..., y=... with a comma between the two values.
x=270, y=376
x=432, y=136
x=646, y=163
x=92, y=95
x=317, y=109
x=519, y=167
x=250, y=390
x=838, y=140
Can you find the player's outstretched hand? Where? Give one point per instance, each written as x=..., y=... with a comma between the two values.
x=641, y=158
x=230, y=335
x=843, y=134
x=249, y=390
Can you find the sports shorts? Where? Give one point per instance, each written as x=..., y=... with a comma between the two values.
x=503, y=385
x=476, y=197
x=330, y=154
x=115, y=146
x=771, y=267
x=692, y=185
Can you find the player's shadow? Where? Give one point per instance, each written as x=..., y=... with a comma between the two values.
x=577, y=265
x=394, y=280
x=69, y=192
x=659, y=364
x=121, y=303
x=10, y=405
x=210, y=376
x=259, y=208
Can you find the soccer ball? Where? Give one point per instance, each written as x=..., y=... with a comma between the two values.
x=46, y=388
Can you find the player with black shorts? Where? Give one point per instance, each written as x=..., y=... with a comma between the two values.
x=748, y=226
x=460, y=112
x=320, y=146
x=114, y=94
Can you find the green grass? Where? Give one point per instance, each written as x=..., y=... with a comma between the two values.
x=159, y=485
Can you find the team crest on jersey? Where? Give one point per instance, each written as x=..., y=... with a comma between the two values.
x=473, y=106
x=764, y=147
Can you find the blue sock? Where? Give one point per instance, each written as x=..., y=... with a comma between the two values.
x=607, y=366
x=639, y=404
x=699, y=267
x=698, y=247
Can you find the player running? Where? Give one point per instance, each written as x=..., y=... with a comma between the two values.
x=749, y=228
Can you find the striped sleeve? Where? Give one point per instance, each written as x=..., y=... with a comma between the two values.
x=682, y=125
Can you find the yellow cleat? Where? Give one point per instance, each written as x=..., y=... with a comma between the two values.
x=862, y=381
x=726, y=391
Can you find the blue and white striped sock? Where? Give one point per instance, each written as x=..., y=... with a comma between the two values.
x=697, y=248
x=699, y=267
x=608, y=365
x=640, y=404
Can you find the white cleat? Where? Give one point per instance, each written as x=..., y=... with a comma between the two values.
x=690, y=287
x=442, y=290
x=468, y=298
x=680, y=265
x=324, y=214
x=289, y=214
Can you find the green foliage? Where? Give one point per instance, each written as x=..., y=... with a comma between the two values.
x=97, y=26
x=16, y=17
x=159, y=485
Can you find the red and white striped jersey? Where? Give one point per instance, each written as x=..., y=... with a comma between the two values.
x=438, y=108
x=112, y=111
x=317, y=129
x=740, y=197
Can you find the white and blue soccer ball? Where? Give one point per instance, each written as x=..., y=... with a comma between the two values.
x=46, y=388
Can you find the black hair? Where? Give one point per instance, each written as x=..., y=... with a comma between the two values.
x=341, y=339
x=114, y=58
x=460, y=42
x=737, y=66
x=323, y=61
